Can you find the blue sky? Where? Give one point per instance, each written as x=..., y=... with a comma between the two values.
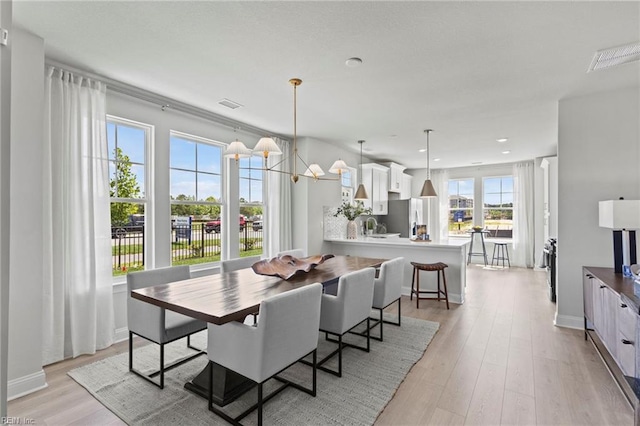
x=199, y=165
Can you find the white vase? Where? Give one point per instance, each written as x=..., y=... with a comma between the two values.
x=352, y=230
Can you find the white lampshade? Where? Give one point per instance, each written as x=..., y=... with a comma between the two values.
x=314, y=171
x=266, y=147
x=619, y=214
x=237, y=150
x=339, y=167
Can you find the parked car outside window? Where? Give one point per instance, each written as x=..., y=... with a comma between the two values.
x=214, y=225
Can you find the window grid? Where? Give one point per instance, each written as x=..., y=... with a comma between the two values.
x=461, y=202
x=498, y=206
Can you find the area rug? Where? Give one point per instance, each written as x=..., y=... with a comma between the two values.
x=368, y=383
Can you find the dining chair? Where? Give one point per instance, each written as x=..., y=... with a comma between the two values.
x=388, y=290
x=286, y=333
x=237, y=264
x=156, y=324
x=341, y=313
x=297, y=253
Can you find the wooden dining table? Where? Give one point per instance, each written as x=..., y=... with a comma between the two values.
x=222, y=298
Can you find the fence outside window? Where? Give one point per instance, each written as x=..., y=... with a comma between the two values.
x=189, y=245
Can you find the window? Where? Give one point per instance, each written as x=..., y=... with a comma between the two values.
x=348, y=182
x=251, y=206
x=127, y=144
x=196, y=199
x=497, y=197
x=460, y=206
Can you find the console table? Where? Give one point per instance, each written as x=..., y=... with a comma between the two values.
x=611, y=322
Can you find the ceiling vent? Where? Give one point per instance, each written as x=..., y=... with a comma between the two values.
x=229, y=103
x=615, y=56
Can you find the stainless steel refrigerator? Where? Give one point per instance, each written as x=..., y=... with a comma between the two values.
x=404, y=216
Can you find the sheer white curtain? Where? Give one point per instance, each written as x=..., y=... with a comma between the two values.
x=439, y=206
x=278, y=212
x=523, y=215
x=77, y=293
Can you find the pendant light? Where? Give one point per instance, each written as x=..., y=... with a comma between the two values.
x=427, y=189
x=361, y=193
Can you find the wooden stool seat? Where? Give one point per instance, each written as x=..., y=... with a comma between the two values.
x=415, y=279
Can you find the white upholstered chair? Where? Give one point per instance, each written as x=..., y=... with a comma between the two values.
x=387, y=290
x=237, y=264
x=297, y=253
x=286, y=333
x=348, y=308
x=156, y=324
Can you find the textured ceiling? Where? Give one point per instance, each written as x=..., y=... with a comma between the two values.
x=472, y=71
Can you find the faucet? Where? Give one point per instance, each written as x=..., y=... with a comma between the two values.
x=375, y=225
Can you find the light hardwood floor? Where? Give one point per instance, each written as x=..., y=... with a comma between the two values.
x=497, y=359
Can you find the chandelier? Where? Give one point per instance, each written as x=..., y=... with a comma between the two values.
x=266, y=146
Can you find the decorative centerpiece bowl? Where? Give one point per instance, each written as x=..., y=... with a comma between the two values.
x=287, y=266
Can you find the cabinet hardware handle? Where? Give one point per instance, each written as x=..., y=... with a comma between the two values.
x=627, y=342
x=589, y=276
x=622, y=305
x=602, y=286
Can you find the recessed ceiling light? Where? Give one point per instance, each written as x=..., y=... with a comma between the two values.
x=506, y=152
x=477, y=162
x=393, y=136
x=502, y=140
x=353, y=62
x=422, y=150
x=436, y=159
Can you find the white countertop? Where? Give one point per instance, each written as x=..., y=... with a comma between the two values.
x=404, y=242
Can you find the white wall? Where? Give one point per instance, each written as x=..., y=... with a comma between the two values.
x=309, y=197
x=598, y=159
x=25, y=311
x=5, y=162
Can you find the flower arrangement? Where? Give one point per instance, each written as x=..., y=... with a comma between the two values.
x=352, y=211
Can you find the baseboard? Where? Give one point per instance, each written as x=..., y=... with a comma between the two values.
x=25, y=385
x=121, y=334
x=569, y=321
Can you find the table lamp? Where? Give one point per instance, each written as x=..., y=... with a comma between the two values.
x=623, y=216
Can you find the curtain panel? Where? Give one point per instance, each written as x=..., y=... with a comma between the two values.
x=523, y=215
x=439, y=206
x=77, y=293
x=278, y=212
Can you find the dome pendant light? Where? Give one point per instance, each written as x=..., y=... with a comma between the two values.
x=427, y=189
x=361, y=193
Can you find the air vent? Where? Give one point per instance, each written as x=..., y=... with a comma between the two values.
x=615, y=56
x=229, y=103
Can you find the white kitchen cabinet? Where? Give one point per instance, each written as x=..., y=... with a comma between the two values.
x=405, y=187
x=375, y=179
x=395, y=177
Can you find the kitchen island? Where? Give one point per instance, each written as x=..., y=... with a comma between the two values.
x=452, y=252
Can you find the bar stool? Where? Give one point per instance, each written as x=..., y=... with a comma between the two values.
x=483, y=253
x=502, y=253
x=439, y=268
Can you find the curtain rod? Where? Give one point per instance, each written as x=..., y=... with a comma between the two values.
x=163, y=101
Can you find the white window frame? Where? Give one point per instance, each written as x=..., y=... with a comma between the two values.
x=147, y=200
x=484, y=178
x=473, y=209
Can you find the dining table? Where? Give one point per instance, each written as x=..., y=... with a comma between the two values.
x=222, y=298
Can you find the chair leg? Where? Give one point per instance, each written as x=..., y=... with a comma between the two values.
x=369, y=332
x=315, y=372
x=417, y=289
x=413, y=278
x=493, y=256
x=162, y=366
x=130, y=351
x=260, y=404
x=340, y=356
x=381, y=326
x=446, y=292
x=399, y=310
